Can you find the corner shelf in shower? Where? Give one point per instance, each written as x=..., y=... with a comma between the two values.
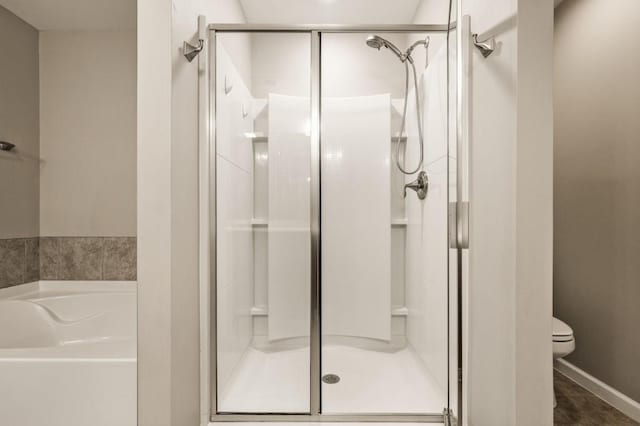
x=400, y=311
x=396, y=223
x=259, y=137
x=256, y=137
x=258, y=311
x=262, y=311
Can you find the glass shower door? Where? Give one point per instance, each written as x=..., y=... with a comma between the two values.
x=262, y=171
x=331, y=292
x=384, y=260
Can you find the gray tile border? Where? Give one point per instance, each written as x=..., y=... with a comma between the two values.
x=119, y=259
x=12, y=262
x=80, y=258
x=32, y=260
x=49, y=258
x=24, y=260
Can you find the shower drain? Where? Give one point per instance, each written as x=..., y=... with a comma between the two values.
x=331, y=379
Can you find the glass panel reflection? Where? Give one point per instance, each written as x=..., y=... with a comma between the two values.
x=263, y=222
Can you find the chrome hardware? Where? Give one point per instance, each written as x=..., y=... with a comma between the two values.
x=459, y=225
x=331, y=379
x=420, y=185
x=424, y=43
x=485, y=47
x=6, y=146
x=449, y=418
x=190, y=51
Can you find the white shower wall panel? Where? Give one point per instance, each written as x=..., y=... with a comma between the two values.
x=427, y=229
x=433, y=94
x=234, y=266
x=398, y=297
x=289, y=242
x=235, y=263
x=356, y=217
x=233, y=113
x=427, y=267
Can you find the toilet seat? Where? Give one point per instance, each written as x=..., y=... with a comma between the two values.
x=563, y=343
x=561, y=331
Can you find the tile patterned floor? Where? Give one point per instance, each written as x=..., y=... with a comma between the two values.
x=579, y=407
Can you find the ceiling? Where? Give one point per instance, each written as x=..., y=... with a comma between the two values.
x=75, y=14
x=330, y=11
x=121, y=14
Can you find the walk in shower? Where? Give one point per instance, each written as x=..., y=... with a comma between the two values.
x=333, y=287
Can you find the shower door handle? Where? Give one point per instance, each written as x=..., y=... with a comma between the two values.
x=459, y=225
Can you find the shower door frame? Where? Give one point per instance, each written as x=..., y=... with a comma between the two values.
x=208, y=223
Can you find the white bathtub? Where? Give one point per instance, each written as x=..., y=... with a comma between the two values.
x=68, y=354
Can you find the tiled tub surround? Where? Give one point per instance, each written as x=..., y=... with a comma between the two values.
x=88, y=258
x=24, y=260
x=19, y=261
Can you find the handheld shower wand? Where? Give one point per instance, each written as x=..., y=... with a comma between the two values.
x=378, y=42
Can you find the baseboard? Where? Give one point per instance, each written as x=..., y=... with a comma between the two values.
x=602, y=390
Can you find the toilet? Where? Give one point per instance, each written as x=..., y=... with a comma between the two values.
x=563, y=343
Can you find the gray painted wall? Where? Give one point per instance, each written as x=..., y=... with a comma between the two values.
x=19, y=124
x=88, y=133
x=597, y=186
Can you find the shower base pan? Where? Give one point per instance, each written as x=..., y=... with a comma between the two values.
x=370, y=381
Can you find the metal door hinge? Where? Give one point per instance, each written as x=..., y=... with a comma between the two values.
x=449, y=418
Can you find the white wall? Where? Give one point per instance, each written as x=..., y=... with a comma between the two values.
x=534, y=214
x=491, y=329
x=155, y=347
x=509, y=378
x=88, y=133
x=432, y=12
x=19, y=125
x=168, y=321
x=280, y=64
x=427, y=231
x=370, y=71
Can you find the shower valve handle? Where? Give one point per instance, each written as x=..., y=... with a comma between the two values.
x=420, y=185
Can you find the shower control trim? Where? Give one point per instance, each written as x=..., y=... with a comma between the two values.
x=420, y=185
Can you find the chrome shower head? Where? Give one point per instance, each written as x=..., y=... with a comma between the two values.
x=378, y=42
x=375, y=41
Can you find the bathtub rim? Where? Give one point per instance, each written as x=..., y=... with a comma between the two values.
x=124, y=350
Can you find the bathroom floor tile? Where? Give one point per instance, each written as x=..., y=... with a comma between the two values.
x=579, y=407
